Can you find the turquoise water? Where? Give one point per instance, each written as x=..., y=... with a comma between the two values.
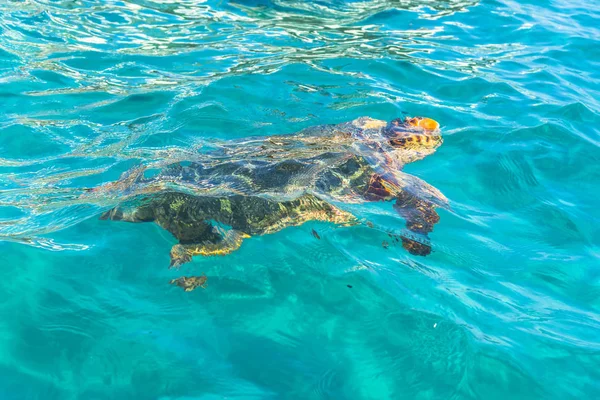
x=507, y=305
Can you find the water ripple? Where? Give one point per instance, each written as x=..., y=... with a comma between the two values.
x=507, y=305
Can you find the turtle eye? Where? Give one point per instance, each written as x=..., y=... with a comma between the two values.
x=413, y=122
x=398, y=142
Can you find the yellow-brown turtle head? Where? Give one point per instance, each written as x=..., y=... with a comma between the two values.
x=417, y=133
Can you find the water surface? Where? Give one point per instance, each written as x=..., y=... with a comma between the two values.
x=507, y=305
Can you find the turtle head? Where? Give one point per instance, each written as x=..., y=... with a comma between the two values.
x=419, y=134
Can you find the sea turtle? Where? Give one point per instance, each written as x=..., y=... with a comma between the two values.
x=260, y=185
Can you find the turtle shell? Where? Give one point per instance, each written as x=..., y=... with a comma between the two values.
x=335, y=161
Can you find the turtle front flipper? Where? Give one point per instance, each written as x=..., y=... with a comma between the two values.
x=228, y=242
x=416, y=202
x=380, y=189
x=420, y=216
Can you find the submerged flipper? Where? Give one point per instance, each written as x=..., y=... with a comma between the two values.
x=420, y=216
x=418, y=211
x=228, y=242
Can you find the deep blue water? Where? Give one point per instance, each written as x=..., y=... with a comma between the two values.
x=507, y=305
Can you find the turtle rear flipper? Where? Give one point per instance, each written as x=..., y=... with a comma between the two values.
x=228, y=242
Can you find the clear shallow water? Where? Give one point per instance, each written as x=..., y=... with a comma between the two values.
x=508, y=303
